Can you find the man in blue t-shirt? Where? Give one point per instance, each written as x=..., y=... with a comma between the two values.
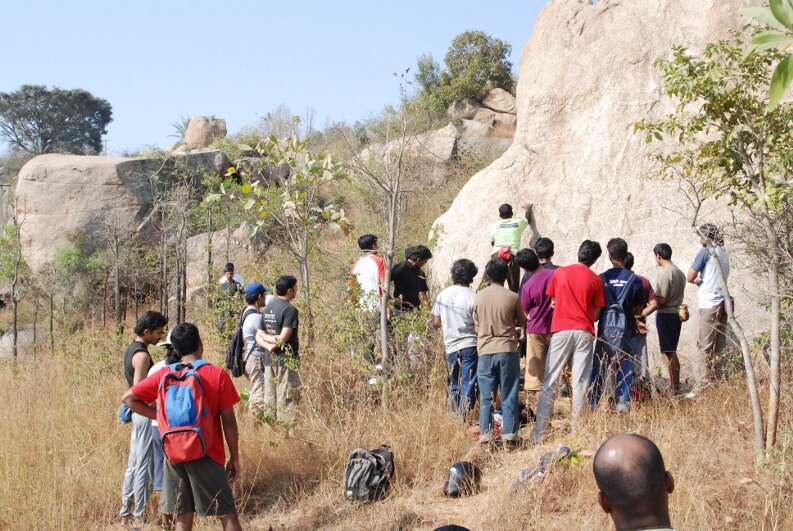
x=615, y=280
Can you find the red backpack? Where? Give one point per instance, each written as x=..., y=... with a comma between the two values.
x=184, y=421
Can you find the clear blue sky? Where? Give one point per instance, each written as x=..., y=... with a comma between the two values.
x=157, y=60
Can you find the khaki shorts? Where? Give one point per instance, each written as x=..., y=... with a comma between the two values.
x=536, y=352
x=200, y=486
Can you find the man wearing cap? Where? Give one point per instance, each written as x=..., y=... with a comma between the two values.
x=256, y=358
x=704, y=272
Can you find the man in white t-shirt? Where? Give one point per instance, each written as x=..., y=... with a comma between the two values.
x=158, y=453
x=367, y=275
x=712, y=318
x=230, y=276
x=255, y=357
x=453, y=312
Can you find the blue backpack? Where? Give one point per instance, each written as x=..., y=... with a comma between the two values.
x=614, y=326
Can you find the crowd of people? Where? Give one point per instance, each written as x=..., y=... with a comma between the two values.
x=570, y=324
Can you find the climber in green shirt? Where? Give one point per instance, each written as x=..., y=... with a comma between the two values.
x=508, y=232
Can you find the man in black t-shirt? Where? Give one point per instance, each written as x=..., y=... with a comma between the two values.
x=137, y=362
x=278, y=336
x=411, y=291
x=410, y=282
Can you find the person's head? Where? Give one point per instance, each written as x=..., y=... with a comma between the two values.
x=418, y=255
x=505, y=211
x=497, y=270
x=663, y=253
x=463, y=272
x=367, y=242
x=544, y=249
x=171, y=356
x=527, y=259
x=589, y=252
x=228, y=271
x=629, y=261
x=618, y=251
x=633, y=481
x=286, y=286
x=255, y=293
x=186, y=340
x=710, y=233
x=150, y=327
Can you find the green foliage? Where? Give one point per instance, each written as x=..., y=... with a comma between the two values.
x=779, y=17
x=732, y=140
x=180, y=128
x=294, y=204
x=476, y=63
x=41, y=120
x=8, y=251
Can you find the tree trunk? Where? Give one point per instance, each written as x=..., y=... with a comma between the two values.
x=52, y=322
x=163, y=265
x=14, y=291
x=774, y=354
x=117, y=280
x=35, y=320
x=306, y=281
x=393, y=219
x=228, y=232
x=751, y=382
x=209, y=257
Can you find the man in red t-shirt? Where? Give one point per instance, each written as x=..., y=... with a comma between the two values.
x=578, y=298
x=201, y=485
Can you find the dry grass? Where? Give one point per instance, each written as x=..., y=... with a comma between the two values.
x=63, y=453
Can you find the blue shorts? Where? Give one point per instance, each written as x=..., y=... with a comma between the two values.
x=668, y=325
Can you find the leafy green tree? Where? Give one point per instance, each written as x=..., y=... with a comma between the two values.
x=476, y=63
x=740, y=150
x=779, y=17
x=41, y=120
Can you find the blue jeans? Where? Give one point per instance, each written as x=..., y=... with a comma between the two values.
x=601, y=364
x=462, y=379
x=494, y=371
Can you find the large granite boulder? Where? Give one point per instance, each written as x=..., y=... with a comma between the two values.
x=586, y=75
x=202, y=131
x=463, y=109
x=500, y=100
x=59, y=194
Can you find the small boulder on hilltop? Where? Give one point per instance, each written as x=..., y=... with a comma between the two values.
x=202, y=131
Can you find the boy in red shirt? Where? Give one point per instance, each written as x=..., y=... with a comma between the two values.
x=578, y=298
x=201, y=485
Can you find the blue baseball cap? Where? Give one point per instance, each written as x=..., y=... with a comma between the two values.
x=254, y=288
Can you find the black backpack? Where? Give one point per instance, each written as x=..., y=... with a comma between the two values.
x=615, y=320
x=368, y=474
x=235, y=359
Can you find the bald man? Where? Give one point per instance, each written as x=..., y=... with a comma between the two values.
x=634, y=484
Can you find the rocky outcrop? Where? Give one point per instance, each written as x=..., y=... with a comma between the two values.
x=586, y=75
x=58, y=194
x=500, y=100
x=463, y=109
x=202, y=131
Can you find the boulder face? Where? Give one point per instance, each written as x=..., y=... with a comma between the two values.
x=202, y=131
x=500, y=100
x=586, y=75
x=58, y=194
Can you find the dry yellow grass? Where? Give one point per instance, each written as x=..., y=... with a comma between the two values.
x=63, y=453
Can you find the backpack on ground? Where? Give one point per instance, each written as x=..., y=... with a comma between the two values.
x=368, y=474
x=235, y=358
x=615, y=321
x=185, y=425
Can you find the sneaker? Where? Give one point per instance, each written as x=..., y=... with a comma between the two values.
x=623, y=407
x=486, y=438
